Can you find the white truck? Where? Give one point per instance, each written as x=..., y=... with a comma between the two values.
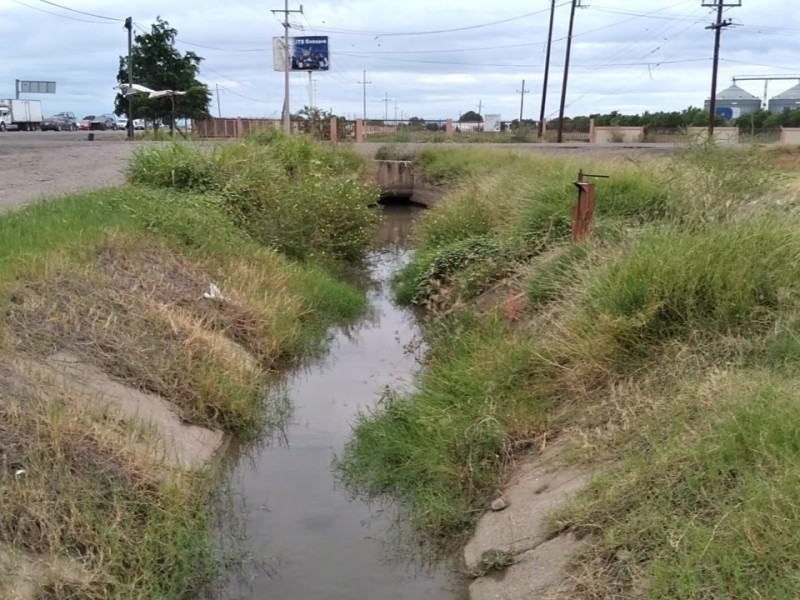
x=23, y=115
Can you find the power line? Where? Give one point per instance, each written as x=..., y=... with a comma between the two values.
x=437, y=31
x=517, y=65
x=55, y=14
x=650, y=67
x=80, y=12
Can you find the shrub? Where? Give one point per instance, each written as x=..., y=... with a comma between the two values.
x=289, y=193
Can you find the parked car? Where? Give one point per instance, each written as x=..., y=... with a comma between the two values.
x=71, y=117
x=57, y=123
x=138, y=124
x=122, y=123
x=85, y=124
x=104, y=122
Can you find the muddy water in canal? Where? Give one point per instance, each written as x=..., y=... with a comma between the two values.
x=319, y=544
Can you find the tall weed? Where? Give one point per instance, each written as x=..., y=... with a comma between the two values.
x=289, y=193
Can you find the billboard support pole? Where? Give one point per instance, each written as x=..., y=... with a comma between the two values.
x=287, y=115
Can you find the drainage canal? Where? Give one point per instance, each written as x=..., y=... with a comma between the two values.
x=317, y=543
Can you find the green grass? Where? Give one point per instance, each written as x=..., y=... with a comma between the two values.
x=116, y=277
x=672, y=283
x=666, y=347
x=442, y=449
x=288, y=193
x=521, y=203
x=703, y=497
x=554, y=275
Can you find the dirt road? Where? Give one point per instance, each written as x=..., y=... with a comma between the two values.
x=36, y=164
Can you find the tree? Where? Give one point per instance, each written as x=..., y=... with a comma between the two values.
x=158, y=65
x=471, y=117
x=316, y=121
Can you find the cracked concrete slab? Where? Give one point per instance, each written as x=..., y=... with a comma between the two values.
x=537, y=575
x=184, y=445
x=536, y=490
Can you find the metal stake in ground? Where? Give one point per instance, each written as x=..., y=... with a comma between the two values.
x=583, y=212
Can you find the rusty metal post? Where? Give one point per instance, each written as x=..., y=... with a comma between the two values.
x=583, y=211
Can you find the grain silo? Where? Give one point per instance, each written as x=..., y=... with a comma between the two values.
x=734, y=102
x=787, y=100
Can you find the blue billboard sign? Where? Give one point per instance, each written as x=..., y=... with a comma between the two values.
x=309, y=53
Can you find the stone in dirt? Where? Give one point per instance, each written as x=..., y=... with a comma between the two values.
x=499, y=504
x=187, y=446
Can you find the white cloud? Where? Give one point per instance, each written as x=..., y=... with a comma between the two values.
x=620, y=60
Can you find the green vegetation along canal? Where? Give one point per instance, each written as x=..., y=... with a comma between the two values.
x=316, y=542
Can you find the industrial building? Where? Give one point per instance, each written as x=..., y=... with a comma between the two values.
x=790, y=99
x=734, y=102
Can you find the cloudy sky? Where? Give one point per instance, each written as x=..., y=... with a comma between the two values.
x=433, y=59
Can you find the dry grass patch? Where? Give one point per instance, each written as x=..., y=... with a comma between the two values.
x=136, y=309
x=80, y=491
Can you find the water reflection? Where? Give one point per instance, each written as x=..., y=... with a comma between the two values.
x=311, y=540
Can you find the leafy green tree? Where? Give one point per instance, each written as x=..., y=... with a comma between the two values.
x=158, y=65
x=316, y=121
x=471, y=117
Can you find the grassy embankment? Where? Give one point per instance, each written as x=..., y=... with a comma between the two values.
x=116, y=278
x=666, y=347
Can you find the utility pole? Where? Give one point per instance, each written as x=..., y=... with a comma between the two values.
x=546, y=69
x=287, y=115
x=395, y=110
x=522, y=93
x=219, y=106
x=129, y=27
x=386, y=102
x=365, y=83
x=480, y=107
x=717, y=27
x=560, y=138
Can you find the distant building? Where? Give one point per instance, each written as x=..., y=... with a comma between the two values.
x=787, y=100
x=734, y=102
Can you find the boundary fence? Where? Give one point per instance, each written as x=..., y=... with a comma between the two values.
x=441, y=130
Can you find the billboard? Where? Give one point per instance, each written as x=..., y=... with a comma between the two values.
x=491, y=123
x=308, y=53
x=37, y=87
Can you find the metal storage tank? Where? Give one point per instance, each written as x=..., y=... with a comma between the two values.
x=734, y=102
x=788, y=99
